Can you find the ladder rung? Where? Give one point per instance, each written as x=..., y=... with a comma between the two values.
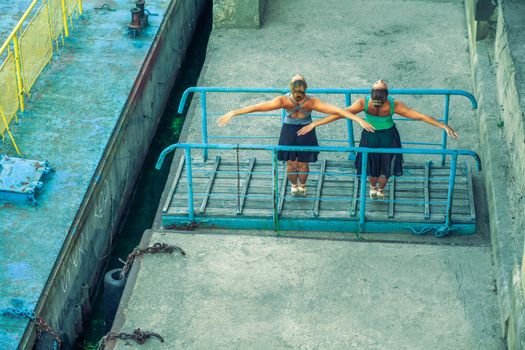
x=391, y=197
x=246, y=185
x=210, y=184
x=427, y=189
x=470, y=190
x=282, y=192
x=353, y=206
x=174, y=185
x=319, y=187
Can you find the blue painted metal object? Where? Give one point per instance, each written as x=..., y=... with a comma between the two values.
x=22, y=178
x=277, y=223
x=347, y=93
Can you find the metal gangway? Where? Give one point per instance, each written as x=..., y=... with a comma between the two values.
x=243, y=186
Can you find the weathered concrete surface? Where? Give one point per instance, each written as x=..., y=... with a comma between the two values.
x=335, y=48
x=92, y=114
x=499, y=78
x=387, y=294
x=238, y=13
x=234, y=292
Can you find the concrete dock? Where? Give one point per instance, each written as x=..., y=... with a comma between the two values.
x=244, y=289
x=238, y=292
x=91, y=114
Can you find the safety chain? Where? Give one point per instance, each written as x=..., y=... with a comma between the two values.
x=183, y=227
x=139, y=336
x=156, y=248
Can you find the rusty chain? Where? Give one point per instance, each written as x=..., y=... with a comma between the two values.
x=156, y=248
x=43, y=327
x=183, y=227
x=139, y=336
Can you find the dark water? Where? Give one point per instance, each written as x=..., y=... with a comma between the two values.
x=151, y=182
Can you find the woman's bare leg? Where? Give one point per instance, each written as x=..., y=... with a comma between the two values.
x=382, y=181
x=304, y=169
x=373, y=187
x=291, y=170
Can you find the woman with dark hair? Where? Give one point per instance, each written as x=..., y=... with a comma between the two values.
x=299, y=107
x=379, y=109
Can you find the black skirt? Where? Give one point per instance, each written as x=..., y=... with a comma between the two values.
x=289, y=137
x=381, y=164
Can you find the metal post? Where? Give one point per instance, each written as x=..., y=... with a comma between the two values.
x=275, y=178
x=444, y=133
x=450, y=194
x=64, y=17
x=350, y=127
x=204, y=125
x=18, y=67
x=6, y=124
x=362, y=203
x=187, y=153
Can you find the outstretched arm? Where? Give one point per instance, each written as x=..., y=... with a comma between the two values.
x=350, y=112
x=276, y=103
x=407, y=112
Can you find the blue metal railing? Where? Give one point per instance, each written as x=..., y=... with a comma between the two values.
x=363, y=178
x=347, y=93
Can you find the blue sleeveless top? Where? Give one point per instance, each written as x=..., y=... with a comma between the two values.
x=298, y=108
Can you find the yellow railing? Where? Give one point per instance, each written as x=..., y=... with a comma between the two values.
x=26, y=52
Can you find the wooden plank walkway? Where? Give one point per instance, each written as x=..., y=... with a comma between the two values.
x=224, y=189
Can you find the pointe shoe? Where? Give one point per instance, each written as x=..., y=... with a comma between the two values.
x=373, y=192
x=295, y=190
x=302, y=190
x=380, y=193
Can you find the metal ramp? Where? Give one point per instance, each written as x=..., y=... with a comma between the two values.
x=250, y=190
x=240, y=195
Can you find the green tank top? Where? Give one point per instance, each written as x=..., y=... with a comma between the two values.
x=380, y=123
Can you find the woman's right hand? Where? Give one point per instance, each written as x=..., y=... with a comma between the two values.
x=225, y=119
x=366, y=125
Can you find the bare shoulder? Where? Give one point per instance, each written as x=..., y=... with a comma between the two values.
x=357, y=106
x=312, y=101
x=360, y=102
x=398, y=105
x=281, y=100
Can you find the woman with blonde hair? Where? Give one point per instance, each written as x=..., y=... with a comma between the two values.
x=298, y=106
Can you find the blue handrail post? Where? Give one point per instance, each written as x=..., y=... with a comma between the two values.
x=362, y=194
x=204, y=125
x=275, y=178
x=444, y=133
x=187, y=153
x=450, y=194
x=350, y=127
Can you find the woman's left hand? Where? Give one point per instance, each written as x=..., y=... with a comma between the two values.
x=306, y=129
